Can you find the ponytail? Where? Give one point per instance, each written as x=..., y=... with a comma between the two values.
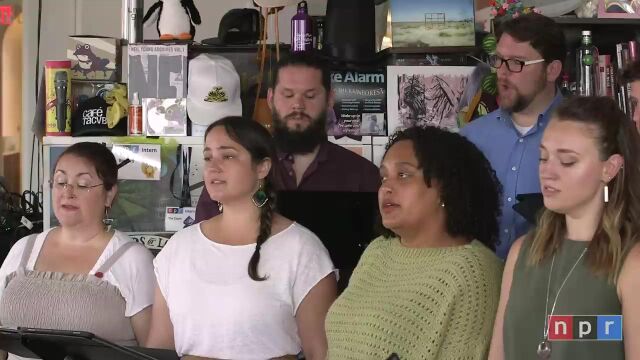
x=266, y=218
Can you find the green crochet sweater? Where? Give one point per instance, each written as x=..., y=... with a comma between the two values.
x=426, y=303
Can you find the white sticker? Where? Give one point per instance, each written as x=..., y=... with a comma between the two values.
x=152, y=242
x=143, y=161
x=177, y=218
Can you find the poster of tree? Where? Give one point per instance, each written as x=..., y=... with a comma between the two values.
x=425, y=95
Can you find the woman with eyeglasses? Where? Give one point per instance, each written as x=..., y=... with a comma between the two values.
x=80, y=275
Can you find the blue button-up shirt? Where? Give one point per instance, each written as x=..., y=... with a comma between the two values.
x=514, y=158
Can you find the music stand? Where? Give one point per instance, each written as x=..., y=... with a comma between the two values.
x=11, y=341
x=50, y=344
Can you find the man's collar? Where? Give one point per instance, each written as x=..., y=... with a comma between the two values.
x=544, y=116
x=323, y=153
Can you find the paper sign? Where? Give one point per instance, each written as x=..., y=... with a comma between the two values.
x=152, y=242
x=177, y=218
x=143, y=161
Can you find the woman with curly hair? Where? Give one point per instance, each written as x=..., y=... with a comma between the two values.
x=429, y=287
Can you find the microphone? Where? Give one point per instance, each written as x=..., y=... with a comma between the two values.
x=60, y=84
x=393, y=356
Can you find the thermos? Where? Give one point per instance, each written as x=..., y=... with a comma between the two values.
x=301, y=29
x=132, y=14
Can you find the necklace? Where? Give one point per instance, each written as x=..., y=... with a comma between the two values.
x=544, y=348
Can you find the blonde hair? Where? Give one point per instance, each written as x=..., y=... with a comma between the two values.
x=619, y=226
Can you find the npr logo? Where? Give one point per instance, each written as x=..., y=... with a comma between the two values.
x=582, y=327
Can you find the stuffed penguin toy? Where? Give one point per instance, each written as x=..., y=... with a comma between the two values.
x=175, y=19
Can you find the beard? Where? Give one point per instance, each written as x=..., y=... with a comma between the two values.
x=297, y=141
x=519, y=102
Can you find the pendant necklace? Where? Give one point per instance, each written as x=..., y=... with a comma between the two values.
x=544, y=348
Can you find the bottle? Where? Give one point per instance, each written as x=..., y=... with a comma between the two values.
x=564, y=88
x=135, y=116
x=136, y=13
x=301, y=29
x=587, y=66
x=318, y=38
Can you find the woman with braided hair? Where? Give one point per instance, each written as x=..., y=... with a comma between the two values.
x=249, y=283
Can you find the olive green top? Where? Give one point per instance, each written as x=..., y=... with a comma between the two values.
x=584, y=293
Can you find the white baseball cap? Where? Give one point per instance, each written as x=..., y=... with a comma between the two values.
x=213, y=89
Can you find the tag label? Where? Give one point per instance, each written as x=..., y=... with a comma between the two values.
x=177, y=218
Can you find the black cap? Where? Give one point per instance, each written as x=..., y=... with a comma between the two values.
x=90, y=119
x=238, y=27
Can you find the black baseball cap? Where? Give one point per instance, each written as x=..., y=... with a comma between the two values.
x=237, y=27
x=90, y=119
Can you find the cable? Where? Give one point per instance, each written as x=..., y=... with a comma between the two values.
x=37, y=83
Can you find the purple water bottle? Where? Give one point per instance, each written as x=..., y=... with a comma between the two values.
x=301, y=29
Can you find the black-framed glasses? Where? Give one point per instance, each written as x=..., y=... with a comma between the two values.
x=77, y=188
x=513, y=65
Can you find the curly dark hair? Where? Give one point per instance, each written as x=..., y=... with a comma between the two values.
x=468, y=184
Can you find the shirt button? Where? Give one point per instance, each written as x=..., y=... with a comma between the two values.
x=506, y=231
x=290, y=173
x=514, y=168
x=520, y=140
x=509, y=199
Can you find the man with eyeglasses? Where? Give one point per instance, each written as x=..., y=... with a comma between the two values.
x=529, y=56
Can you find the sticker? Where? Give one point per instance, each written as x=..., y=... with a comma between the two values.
x=177, y=218
x=143, y=161
x=152, y=242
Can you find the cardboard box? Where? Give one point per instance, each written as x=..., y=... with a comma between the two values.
x=94, y=58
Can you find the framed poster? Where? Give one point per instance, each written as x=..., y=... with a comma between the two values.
x=420, y=23
x=425, y=95
x=360, y=103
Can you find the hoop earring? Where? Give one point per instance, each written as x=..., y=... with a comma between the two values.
x=107, y=220
x=606, y=193
x=260, y=197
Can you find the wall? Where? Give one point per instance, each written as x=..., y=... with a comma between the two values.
x=61, y=18
x=17, y=9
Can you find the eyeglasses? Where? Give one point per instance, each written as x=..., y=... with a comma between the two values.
x=513, y=65
x=77, y=188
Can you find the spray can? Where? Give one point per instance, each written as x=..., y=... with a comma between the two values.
x=135, y=116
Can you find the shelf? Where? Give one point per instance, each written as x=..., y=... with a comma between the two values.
x=431, y=50
x=69, y=140
x=572, y=20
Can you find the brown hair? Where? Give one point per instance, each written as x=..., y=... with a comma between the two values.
x=544, y=35
x=619, y=228
x=631, y=73
x=100, y=157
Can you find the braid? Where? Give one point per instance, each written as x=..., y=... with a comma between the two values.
x=266, y=217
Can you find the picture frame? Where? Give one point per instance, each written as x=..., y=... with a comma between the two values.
x=425, y=95
x=419, y=23
x=606, y=7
